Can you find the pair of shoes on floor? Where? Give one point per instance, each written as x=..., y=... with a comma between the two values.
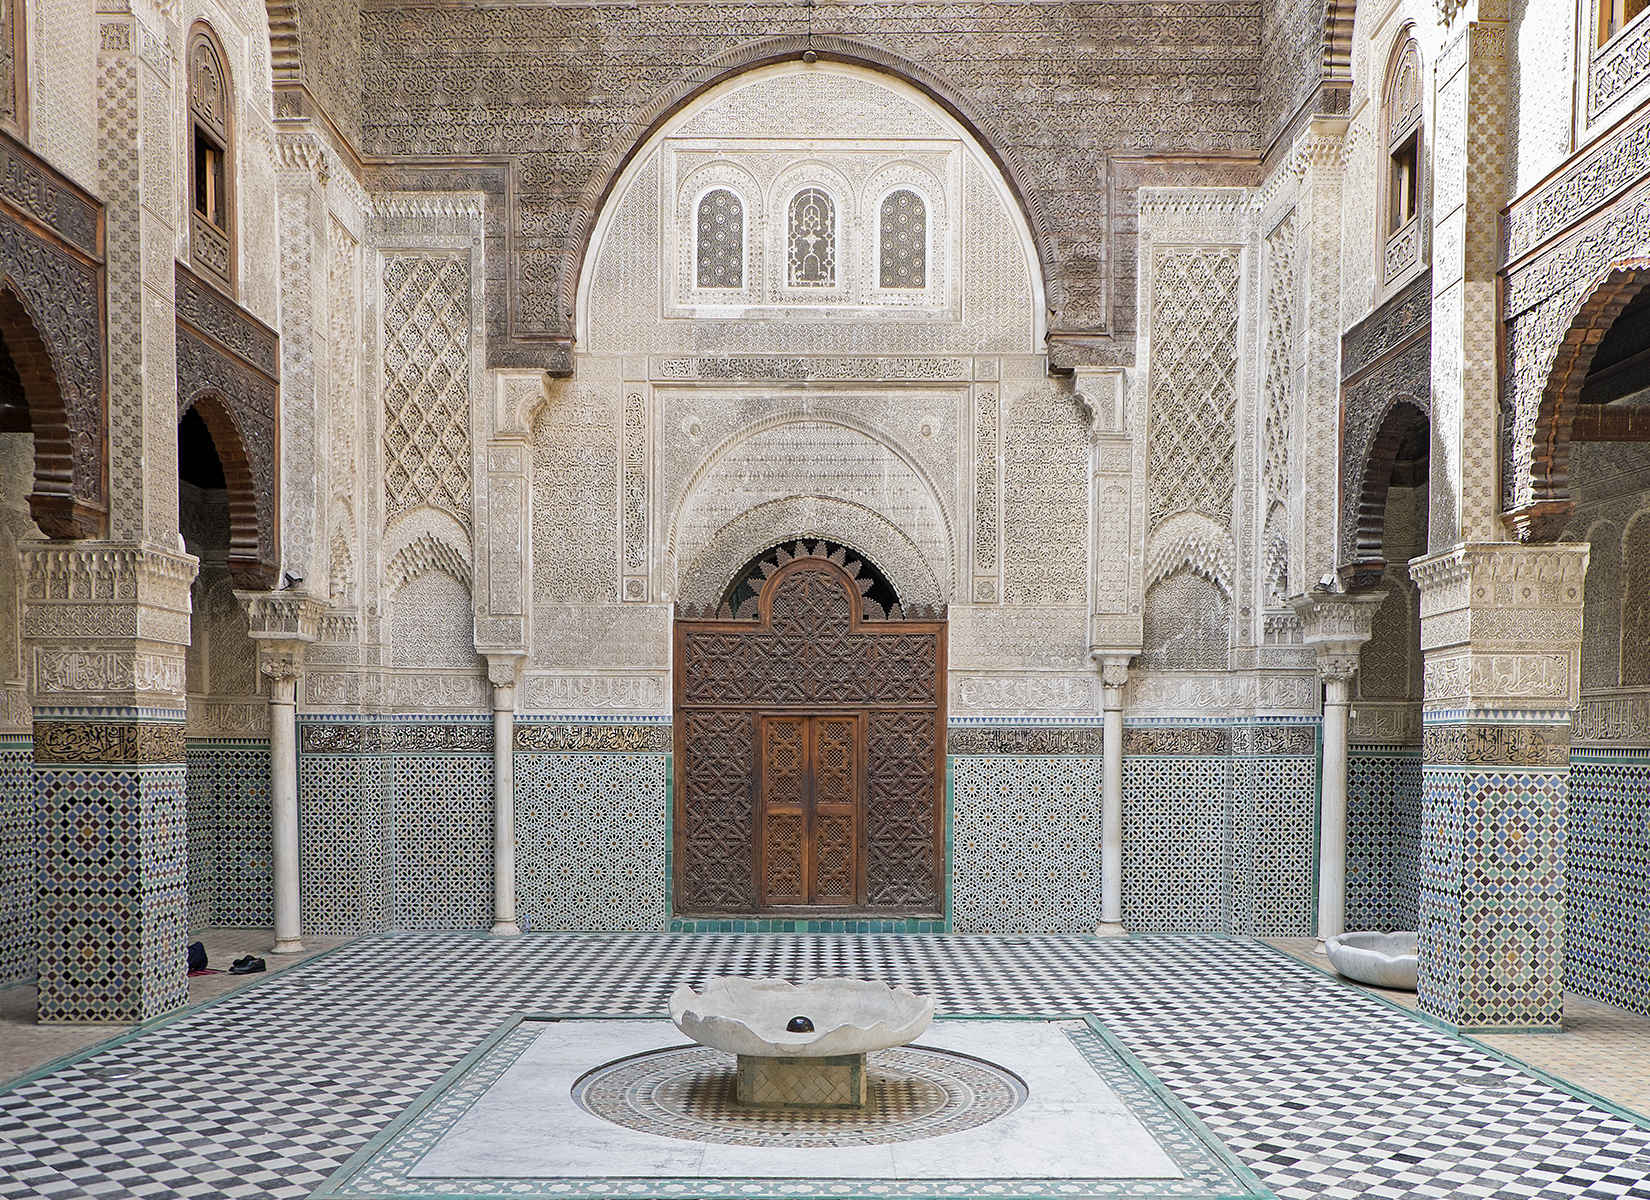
x=247, y=964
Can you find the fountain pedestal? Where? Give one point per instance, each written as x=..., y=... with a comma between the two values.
x=800, y=1047
x=836, y=1081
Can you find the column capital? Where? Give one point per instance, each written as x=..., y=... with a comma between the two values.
x=1335, y=625
x=504, y=670
x=287, y=616
x=1113, y=665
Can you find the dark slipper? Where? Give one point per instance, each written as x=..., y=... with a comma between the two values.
x=243, y=960
x=247, y=966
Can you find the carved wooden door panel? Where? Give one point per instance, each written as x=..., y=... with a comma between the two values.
x=809, y=750
x=811, y=803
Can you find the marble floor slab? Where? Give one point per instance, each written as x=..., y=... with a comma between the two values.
x=527, y=1125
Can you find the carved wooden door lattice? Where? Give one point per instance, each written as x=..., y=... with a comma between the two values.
x=809, y=749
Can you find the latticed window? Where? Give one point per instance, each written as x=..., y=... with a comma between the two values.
x=14, y=88
x=811, y=237
x=903, y=256
x=721, y=241
x=211, y=178
x=1403, y=136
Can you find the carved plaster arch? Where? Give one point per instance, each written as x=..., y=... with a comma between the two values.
x=1544, y=460
x=942, y=557
x=69, y=497
x=1368, y=491
x=725, y=69
x=704, y=577
x=422, y=555
x=252, y=560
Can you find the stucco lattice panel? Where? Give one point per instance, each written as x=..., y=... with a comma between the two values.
x=1607, y=897
x=1045, y=500
x=591, y=841
x=1193, y=383
x=1025, y=835
x=1635, y=604
x=1602, y=604
x=344, y=376
x=1281, y=291
x=17, y=902
x=442, y=841
x=1176, y=844
x=427, y=384
x=575, y=496
x=1383, y=839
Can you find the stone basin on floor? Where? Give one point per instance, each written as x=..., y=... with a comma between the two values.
x=800, y=1045
x=1386, y=960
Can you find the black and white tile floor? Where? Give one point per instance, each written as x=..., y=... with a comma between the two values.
x=1323, y=1091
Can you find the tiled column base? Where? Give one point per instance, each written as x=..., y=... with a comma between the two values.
x=113, y=851
x=1492, y=875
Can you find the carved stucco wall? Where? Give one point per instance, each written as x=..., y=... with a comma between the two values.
x=472, y=81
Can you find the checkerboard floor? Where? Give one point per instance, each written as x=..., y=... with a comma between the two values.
x=1323, y=1091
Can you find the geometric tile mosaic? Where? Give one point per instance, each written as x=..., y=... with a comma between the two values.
x=16, y=861
x=1491, y=910
x=1176, y=844
x=1321, y=1090
x=1607, y=887
x=343, y=843
x=592, y=840
x=1025, y=836
x=113, y=900
x=441, y=841
x=1274, y=818
x=229, y=835
x=1383, y=837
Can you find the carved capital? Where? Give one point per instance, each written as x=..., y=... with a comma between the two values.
x=282, y=616
x=504, y=670
x=1114, y=667
x=1337, y=668
x=281, y=661
x=1335, y=625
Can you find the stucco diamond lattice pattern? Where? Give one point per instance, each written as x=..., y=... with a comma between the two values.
x=427, y=384
x=1194, y=382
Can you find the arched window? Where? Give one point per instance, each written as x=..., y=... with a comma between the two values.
x=211, y=158
x=1401, y=121
x=720, y=227
x=902, y=241
x=14, y=61
x=810, y=230
x=1614, y=16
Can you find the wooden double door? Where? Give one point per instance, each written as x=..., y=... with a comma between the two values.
x=811, y=810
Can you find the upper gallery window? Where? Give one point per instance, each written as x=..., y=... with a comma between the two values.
x=902, y=256
x=211, y=176
x=1401, y=120
x=720, y=240
x=1614, y=15
x=810, y=237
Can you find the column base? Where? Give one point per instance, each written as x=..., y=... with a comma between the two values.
x=505, y=929
x=288, y=946
x=1110, y=929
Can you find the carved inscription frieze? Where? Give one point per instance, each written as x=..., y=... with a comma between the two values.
x=108, y=742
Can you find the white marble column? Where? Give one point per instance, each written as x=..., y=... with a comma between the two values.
x=501, y=672
x=1337, y=672
x=1335, y=625
x=282, y=672
x=1114, y=673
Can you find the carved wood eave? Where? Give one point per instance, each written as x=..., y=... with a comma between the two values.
x=51, y=257
x=1386, y=363
x=229, y=366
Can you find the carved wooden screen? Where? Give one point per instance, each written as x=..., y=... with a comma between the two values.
x=809, y=753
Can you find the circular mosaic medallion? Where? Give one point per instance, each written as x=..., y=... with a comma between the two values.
x=687, y=1092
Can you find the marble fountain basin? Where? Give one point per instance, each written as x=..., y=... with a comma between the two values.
x=1385, y=960
x=783, y=1064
